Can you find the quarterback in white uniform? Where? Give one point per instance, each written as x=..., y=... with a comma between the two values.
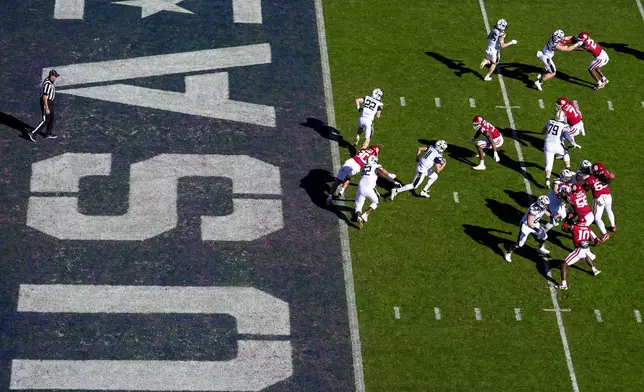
x=495, y=42
x=371, y=109
x=367, y=188
x=556, y=131
x=530, y=225
x=433, y=155
x=557, y=41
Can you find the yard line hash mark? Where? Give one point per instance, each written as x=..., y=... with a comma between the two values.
x=610, y=105
x=528, y=187
x=517, y=314
x=438, y=102
x=472, y=103
x=638, y=316
x=456, y=197
x=478, y=314
x=541, y=105
x=397, y=312
x=437, y=313
x=598, y=315
x=403, y=101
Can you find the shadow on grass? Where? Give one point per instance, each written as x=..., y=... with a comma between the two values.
x=316, y=184
x=457, y=66
x=329, y=133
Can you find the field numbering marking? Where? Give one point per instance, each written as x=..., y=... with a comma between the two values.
x=638, y=316
x=403, y=101
x=610, y=105
x=437, y=313
x=517, y=314
x=397, y=312
x=541, y=105
x=477, y=314
x=456, y=197
x=598, y=315
x=528, y=187
x=472, y=103
x=438, y=102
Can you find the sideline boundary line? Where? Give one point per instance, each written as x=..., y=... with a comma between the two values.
x=349, y=287
x=553, y=293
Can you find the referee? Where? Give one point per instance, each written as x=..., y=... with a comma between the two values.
x=47, y=96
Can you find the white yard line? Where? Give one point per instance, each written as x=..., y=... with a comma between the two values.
x=438, y=102
x=553, y=293
x=472, y=103
x=456, y=199
x=610, y=105
x=643, y=105
x=403, y=101
x=576, y=104
x=478, y=314
x=638, y=316
x=598, y=316
x=397, y=312
x=517, y=314
x=437, y=313
x=639, y=5
x=344, y=233
x=541, y=105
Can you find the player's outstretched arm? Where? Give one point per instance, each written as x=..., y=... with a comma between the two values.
x=506, y=44
x=359, y=102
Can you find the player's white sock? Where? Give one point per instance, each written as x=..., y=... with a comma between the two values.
x=564, y=283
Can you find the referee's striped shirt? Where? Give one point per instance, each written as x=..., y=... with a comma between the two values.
x=49, y=89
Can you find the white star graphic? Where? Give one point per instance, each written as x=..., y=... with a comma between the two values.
x=151, y=7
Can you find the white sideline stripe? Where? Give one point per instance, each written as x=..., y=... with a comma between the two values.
x=437, y=313
x=477, y=314
x=517, y=313
x=541, y=105
x=472, y=103
x=438, y=102
x=553, y=294
x=576, y=104
x=610, y=105
x=598, y=315
x=638, y=316
x=403, y=101
x=639, y=5
x=356, y=349
x=456, y=197
x=397, y=312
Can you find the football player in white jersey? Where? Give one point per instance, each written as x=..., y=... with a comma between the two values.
x=495, y=42
x=367, y=188
x=583, y=172
x=556, y=131
x=557, y=41
x=557, y=195
x=371, y=109
x=530, y=225
x=427, y=157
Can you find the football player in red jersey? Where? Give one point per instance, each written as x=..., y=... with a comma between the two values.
x=351, y=167
x=579, y=203
x=598, y=181
x=492, y=139
x=601, y=58
x=573, y=116
x=582, y=236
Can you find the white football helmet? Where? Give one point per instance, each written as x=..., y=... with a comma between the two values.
x=560, y=116
x=377, y=94
x=501, y=24
x=441, y=146
x=543, y=201
x=566, y=174
x=372, y=160
x=585, y=165
x=558, y=35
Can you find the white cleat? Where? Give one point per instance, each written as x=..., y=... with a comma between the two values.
x=538, y=85
x=483, y=64
x=548, y=184
x=508, y=257
x=604, y=81
x=561, y=286
x=596, y=272
x=487, y=78
x=543, y=250
x=424, y=194
x=357, y=141
x=479, y=167
x=365, y=217
x=360, y=221
x=394, y=192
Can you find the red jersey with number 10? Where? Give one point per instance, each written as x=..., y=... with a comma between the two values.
x=597, y=186
x=573, y=115
x=362, y=156
x=592, y=46
x=581, y=236
x=579, y=203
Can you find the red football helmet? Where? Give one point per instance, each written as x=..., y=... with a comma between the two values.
x=561, y=102
x=477, y=122
x=583, y=36
x=576, y=187
x=598, y=168
x=376, y=149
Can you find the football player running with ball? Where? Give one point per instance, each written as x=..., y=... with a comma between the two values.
x=371, y=109
x=427, y=157
x=556, y=131
x=495, y=42
x=530, y=225
x=582, y=236
x=491, y=140
x=367, y=188
x=556, y=42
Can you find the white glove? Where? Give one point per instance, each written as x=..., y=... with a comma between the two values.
x=514, y=42
x=471, y=140
x=496, y=156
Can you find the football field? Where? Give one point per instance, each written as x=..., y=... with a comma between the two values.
x=438, y=306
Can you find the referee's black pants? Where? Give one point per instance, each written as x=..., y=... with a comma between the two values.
x=47, y=119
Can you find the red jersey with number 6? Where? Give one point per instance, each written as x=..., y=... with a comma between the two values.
x=579, y=203
x=597, y=186
x=573, y=115
x=581, y=236
x=362, y=156
x=592, y=46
